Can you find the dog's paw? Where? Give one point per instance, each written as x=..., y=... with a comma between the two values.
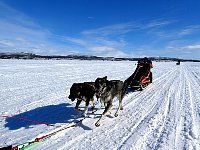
x=93, y=108
x=77, y=109
x=97, y=124
x=116, y=114
x=85, y=115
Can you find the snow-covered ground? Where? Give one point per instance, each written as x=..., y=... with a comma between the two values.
x=165, y=115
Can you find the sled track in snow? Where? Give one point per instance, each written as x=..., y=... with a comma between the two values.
x=149, y=119
x=172, y=122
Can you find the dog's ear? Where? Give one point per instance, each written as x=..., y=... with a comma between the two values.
x=105, y=77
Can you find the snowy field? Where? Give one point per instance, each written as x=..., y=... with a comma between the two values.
x=165, y=115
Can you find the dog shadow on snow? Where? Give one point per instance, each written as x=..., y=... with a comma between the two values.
x=51, y=114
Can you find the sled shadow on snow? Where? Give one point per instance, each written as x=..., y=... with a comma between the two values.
x=51, y=114
x=131, y=90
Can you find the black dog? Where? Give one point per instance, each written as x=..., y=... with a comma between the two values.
x=106, y=90
x=82, y=91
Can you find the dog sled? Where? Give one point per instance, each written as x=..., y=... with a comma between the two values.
x=141, y=77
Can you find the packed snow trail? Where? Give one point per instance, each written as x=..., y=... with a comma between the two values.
x=165, y=115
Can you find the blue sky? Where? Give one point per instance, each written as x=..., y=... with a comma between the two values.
x=118, y=28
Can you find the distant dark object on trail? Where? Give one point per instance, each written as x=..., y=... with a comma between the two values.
x=178, y=63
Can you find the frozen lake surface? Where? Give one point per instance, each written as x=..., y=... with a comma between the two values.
x=165, y=115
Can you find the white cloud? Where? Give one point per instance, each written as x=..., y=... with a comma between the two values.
x=6, y=43
x=123, y=28
x=176, y=33
x=157, y=23
x=189, y=30
x=19, y=32
x=76, y=41
x=112, y=29
x=90, y=17
x=107, y=51
x=108, y=40
x=184, y=49
x=8, y=14
x=192, y=47
x=120, y=43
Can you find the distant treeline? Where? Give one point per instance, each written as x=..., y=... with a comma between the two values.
x=24, y=55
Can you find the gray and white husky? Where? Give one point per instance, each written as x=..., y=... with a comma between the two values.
x=106, y=90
